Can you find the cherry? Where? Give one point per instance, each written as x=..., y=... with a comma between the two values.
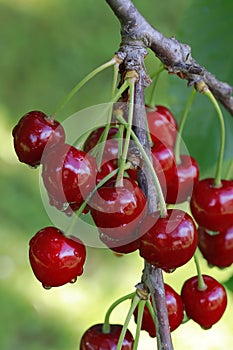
x=106, y=168
x=32, y=134
x=69, y=175
x=207, y=306
x=95, y=339
x=186, y=174
x=117, y=210
x=162, y=125
x=217, y=249
x=54, y=258
x=168, y=242
x=122, y=246
x=212, y=207
x=175, y=312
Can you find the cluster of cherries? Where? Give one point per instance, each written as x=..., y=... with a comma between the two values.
x=119, y=210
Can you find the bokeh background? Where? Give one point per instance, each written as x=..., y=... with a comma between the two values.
x=46, y=47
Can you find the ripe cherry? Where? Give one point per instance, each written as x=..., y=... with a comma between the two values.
x=168, y=242
x=54, y=258
x=69, y=175
x=207, y=306
x=212, y=207
x=217, y=249
x=95, y=339
x=186, y=174
x=175, y=312
x=118, y=210
x=32, y=134
x=162, y=125
x=106, y=168
x=122, y=246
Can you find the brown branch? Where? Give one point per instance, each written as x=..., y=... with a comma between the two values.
x=175, y=55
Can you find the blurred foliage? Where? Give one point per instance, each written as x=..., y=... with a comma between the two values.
x=46, y=47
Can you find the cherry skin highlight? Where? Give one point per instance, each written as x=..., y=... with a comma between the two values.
x=95, y=339
x=32, y=133
x=207, y=306
x=56, y=259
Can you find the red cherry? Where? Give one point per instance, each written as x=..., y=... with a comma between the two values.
x=217, y=249
x=117, y=210
x=121, y=247
x=32, y=134
x=106, y=168
x=205, y=307
x=212, y=207
x=69, y=176
x=175, y=312
x=162, y=125
x=186, y=174
x=168, y=242
x=95, y=339
x=54, y=258
x=164, y=163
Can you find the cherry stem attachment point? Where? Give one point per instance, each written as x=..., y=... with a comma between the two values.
x=163, y=208
x=182, y=124
x=201, y=283
x=106, y=325
x=77, y=87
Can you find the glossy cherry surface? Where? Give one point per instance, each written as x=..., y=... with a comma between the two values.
x=120, y=246
x=95, y=339
x=212, y=207
x=168, y=242
x=205, y=307
x=175, y=312
x=217, y=249
x=117, y=210
x=69, y=175
x=54, y=258
x=106, y=168
x=186, y=174
x=31, y=135
x=162, y=125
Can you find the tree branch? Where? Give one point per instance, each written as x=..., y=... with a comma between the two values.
x=175, y=55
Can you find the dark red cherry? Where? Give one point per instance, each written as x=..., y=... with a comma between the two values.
x=175, y=312
x=118, y=210
x=168, y=242
x=56, y=259
x=106, y=168
x=217, y=249
x=164, y=163
x=95, y=135
x=123, y=246
x=32, y=134
x=162, y=125
x=212, y=207
x=186, y=174
x=69, y=175
x=207, y=306
x=95, y=339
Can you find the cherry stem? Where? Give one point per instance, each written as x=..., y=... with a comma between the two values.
x=163, y=208
x=181, y=126
x=119, y=180
x=217, y=179
x=120, y=142
x=106, y=325
x=133, y=306
x=155, y=78
x=77, y=87
x=229, y=173
x=201, y=283
x=115, y=77
x=141, y=307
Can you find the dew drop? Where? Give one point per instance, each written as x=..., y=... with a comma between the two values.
x=73, y=280
x=46, y=287
x=65, y=206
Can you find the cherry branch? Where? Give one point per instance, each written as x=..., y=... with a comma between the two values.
x=176, y=56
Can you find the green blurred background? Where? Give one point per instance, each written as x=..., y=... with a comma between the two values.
x=46, y=47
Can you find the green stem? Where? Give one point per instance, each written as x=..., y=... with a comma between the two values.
x=120, y=142
x=163, y=208
x=83, y=82
x=106, y=325
x=141, y=306
x=127, y=136
x=115, y=76
x=133, y=306
x=218, y=173
x=155, y=78
x=229, y=173
x=201, y=283
x=181, y=126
